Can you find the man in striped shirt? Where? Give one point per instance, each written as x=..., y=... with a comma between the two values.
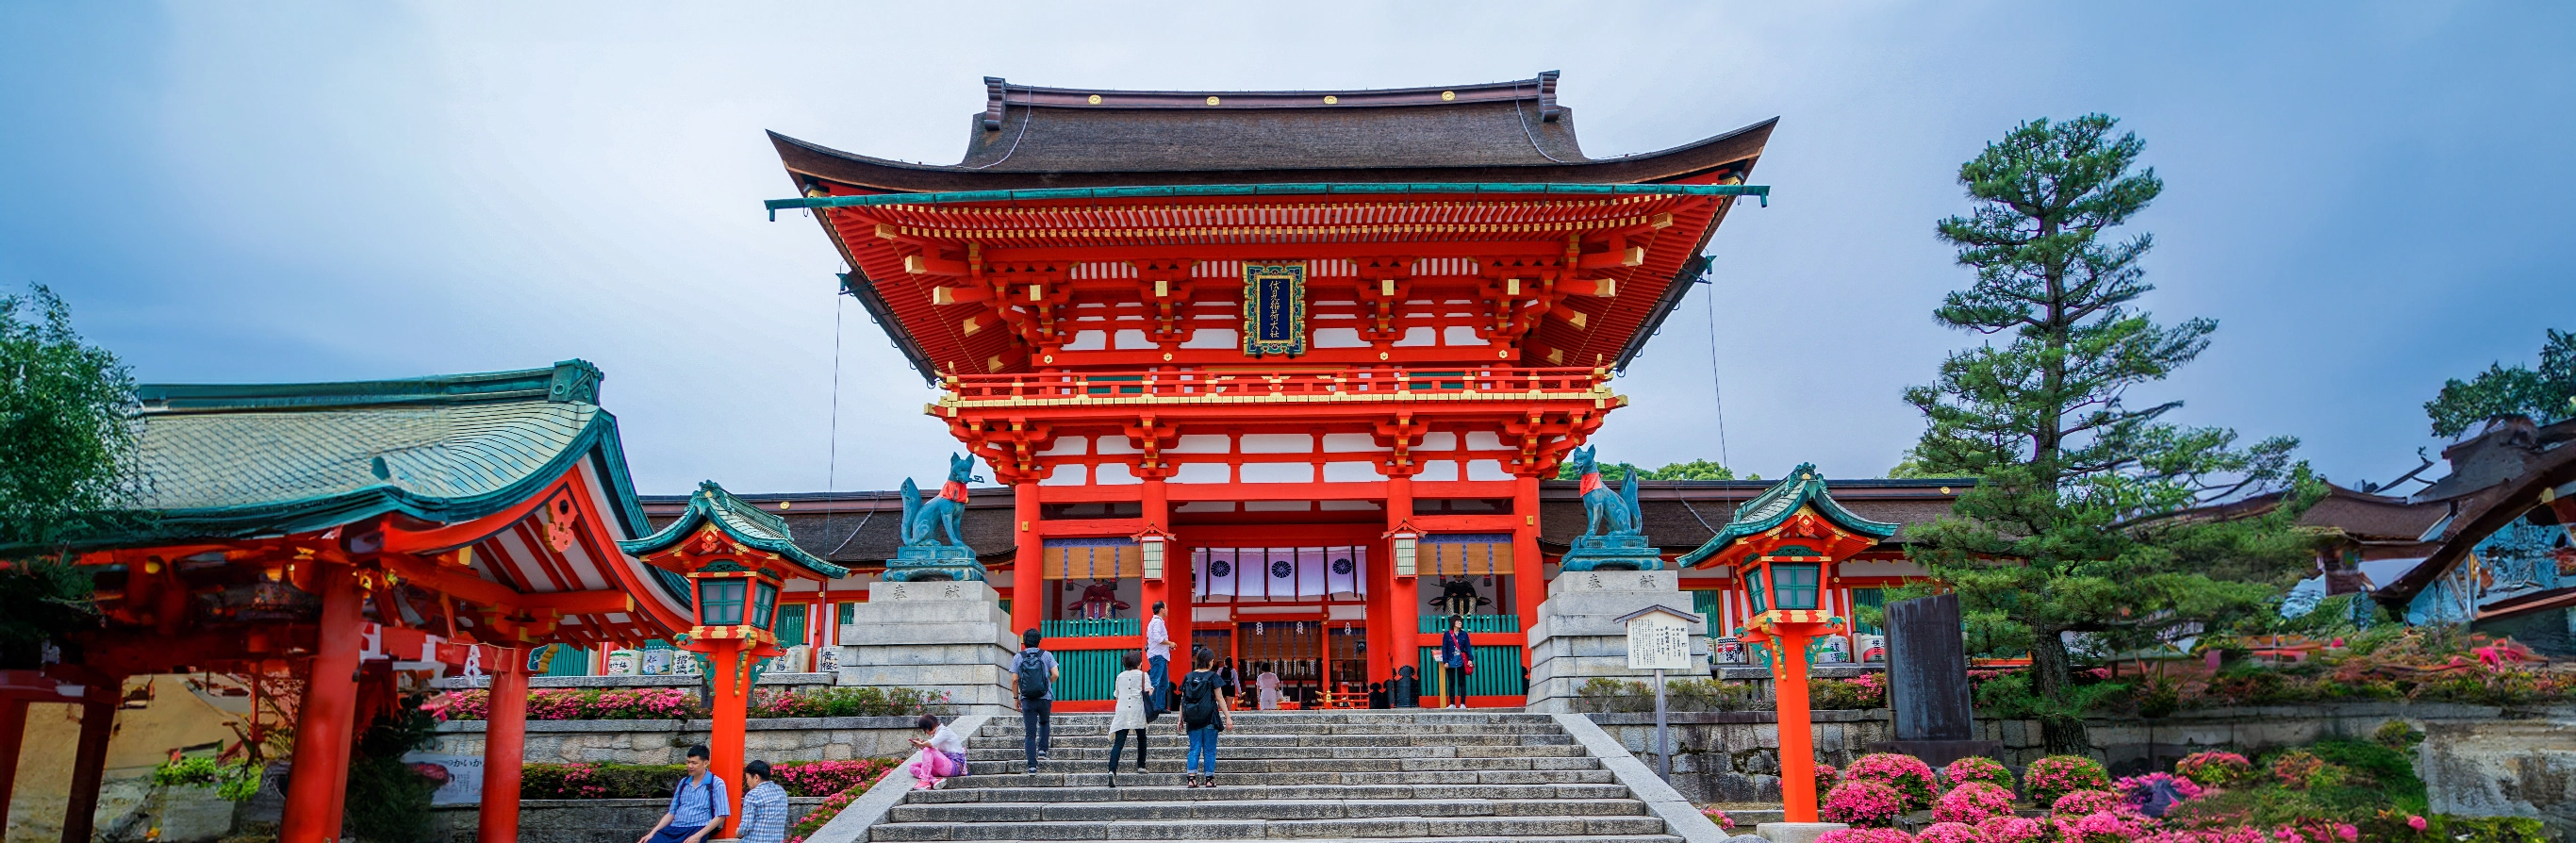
x=764, y=806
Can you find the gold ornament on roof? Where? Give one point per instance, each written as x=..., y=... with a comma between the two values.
x=1446, y=96
x=1211, y=100
x=1095, y=99
x=1332, y=100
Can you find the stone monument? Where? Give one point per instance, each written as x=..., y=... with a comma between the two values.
x=1927, y=678
x=934, y=624
x=945, y=637
x=1581, y=635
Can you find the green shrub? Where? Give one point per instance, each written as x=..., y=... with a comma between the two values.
x=236, y=782
x=1601, y=694
x=862, y=701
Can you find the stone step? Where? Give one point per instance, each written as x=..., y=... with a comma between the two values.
x=987, y=776
x=1228, y=751
x=1515, y=827
x=1284, y=726
x=961, y=795
x=1332, y=718
x=1172, y=762
x=1238, y=737
x=1259, y=809
x=1552, y=838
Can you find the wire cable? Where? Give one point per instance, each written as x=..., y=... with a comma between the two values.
x=1716, y=385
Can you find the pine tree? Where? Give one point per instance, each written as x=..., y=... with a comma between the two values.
x=2546, y=394
x=2072, y=525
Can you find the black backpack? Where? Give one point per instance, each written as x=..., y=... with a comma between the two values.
x=1198, y=699
x=1033, y=674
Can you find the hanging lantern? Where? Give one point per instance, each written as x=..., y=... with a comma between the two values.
x=1406, y=548
x=1149, y=547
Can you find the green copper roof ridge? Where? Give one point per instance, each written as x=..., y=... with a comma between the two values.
x=1761, y=191
x=516, y=384
x=1768, y=510
x=711, y=504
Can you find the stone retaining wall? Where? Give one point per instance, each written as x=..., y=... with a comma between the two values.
x=579, y=820
x=771, y=739
x=2478, y=760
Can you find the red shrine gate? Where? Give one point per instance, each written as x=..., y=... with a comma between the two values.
x=1275, y=357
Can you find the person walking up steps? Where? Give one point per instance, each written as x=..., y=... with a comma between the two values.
x=1129, y=716
x=1033, y=677
x=1204, y=713
x=1158, y=662
x=1268, y=685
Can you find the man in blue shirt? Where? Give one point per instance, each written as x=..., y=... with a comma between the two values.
x=1158, y=664
x=764, y=806
x=698, y=805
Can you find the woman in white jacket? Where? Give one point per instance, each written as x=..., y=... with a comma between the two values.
x=1129, y=716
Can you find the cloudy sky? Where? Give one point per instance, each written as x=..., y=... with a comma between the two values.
x=2369, y=197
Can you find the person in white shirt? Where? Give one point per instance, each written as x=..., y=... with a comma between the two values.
x=1268, y=683
x=942, y=755
x=1158, y=661
x=1129, y=715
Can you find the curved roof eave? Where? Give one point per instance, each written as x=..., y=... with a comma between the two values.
x=809, y=160
x=739, y=520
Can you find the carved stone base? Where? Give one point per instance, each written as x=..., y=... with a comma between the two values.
x=934, y=563
x=1578, y=636
x=946, y=637
x=1612, y=553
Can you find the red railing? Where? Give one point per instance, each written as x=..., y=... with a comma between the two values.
x=1376, y=383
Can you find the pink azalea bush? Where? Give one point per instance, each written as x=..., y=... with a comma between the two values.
x=2081, y=802
x=1714, y=815
x=2215, y=769
x=1950, y=833
x=1906, y=773
x=1863, y=802
x=1977, y=768
x=2058, y=775
x=1973, y=803
x=578, y=704
x=2012, y=829
x=1827, y=777
x=1865, y=835
x=821, y=778
x=2100, y=826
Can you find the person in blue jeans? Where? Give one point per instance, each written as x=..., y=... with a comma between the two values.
x=1204, y=713
x=698, y=805
x=1158, y=665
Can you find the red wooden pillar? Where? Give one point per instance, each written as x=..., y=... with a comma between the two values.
x=1404, y=603
x=1028, y=560
x=89, y=766
x=732, y=705
x=505, y=737
x=1797, y=737
x=1529, y=567
x=1383, y=643
x=316, y=787
x=13, y=734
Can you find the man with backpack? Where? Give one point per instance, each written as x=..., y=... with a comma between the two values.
x=698, y=805
x=1204, y=713
x=1033, y=675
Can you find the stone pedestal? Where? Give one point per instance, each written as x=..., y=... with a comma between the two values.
x=949, y=636
x=1578, y=635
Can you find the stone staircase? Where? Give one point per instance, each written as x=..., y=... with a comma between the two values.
x=1385, y=777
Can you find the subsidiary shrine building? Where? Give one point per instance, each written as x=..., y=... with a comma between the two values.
x=1298, y=363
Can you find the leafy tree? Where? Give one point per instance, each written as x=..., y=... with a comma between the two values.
x=1693, y=470
x=2073, y=526
x=2547, y=394
x=65, y=447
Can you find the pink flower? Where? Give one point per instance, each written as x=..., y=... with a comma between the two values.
x=1978, y=768
x=2214, y=768
x=2012, y=829
x=1907, y=774
x=1719, y=817
x=1865, y=803
x=1972, y=803
x=1864, y=835
x=2415, y=821
x=2058, y=775
x=2084, y=802
x=1948, y=832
